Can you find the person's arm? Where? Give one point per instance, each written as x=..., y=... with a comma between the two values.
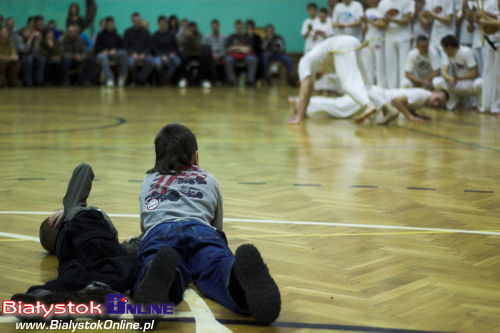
x=432, y=75
x=448, y=19
x=305, y=93
x=219, y=211
x=472, y=74
x=445, y=73
x=489, y=23
x=425, y=19
x=413, y=78
x=380, y=24
x=403, y=21
x=306, y=29
x=401, y=103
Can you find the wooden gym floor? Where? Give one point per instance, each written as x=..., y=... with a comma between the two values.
x=364, y=228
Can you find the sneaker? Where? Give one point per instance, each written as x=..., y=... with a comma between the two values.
x=155, y=285
x=110, y=83
x=206, y=84
x=261, y=292
x=182, y=83
x=121, y=82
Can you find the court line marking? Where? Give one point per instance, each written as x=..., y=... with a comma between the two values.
x=309, y=223
x=203, y=316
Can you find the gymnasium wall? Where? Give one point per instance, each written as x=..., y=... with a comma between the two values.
x=285, y=15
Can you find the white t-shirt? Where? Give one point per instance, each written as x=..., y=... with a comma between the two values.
x=441, y=8
x=416, y=97
x=308, y=44
x=373, y=33
x=422, y=65
x=322, y=26
x=465, y=35
x=462, y=62
x=418, y=29
x=397, y=9
x=348, y=14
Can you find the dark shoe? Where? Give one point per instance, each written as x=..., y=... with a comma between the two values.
x=261, y=292
x=155, y=285
x=95, y=291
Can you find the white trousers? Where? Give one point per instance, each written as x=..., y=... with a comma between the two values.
x=464, y=88
x=337, y=107
x=374, y=62
x=351, y=74
x=396, y=53
x=490, y=99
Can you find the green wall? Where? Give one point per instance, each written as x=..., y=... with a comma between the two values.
x=285, y=15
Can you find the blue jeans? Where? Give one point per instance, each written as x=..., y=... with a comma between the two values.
x=267, y=57
x=174, y=62
x=30, y=62
x=147, y=67
x=204, y=258
x=119, y=56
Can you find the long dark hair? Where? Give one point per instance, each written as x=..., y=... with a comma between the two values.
x=74, y=4
x=175, y=146
x=173, y=18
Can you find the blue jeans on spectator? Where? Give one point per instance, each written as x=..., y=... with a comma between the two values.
x=204, y=258
x=173, y=63
x=121, y=57
x=267, y=57
x=251, y=62
x=29, y=62
x=147, y=66
x=85, y=68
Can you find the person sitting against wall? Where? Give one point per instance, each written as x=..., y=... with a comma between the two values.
x=110, y=46
x=9, y=60
x=164, y=47
x=138, y=43
x=191, y=42
x=75, y=55
x=274, y=50
x=51, y=51
x=27, y=44
x=239, y=47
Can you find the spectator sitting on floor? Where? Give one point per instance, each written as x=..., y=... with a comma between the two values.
x=274, y=50
x=138, y=43
x=239, y=47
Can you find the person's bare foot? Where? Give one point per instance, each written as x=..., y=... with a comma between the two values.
x=292, y=103
x=369, y=110
x=294, y=120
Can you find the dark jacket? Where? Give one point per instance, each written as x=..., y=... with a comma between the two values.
x=73, y=46
x=256, y=43
x=50, y=51
x=275, y=45
x=137, y=40
x=191, y=45
x=163, y=43
x=107, y=41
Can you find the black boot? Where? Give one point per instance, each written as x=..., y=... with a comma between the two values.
x=261, y=294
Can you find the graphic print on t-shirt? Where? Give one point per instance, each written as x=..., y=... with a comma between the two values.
x=172, y=187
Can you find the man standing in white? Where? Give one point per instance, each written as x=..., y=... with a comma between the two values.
x=421, y=25
x=459, y=72
x=347, y=18
x=322, y=27
x=422, y=66
x=397, y=16
x=307, y=27
x=491, y=74
x=440, y=13
x=373, y=55
x=338, y=55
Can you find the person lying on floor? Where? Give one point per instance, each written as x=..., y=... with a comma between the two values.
x=92, y=263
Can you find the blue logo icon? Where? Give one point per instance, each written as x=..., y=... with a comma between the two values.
x=119, y=304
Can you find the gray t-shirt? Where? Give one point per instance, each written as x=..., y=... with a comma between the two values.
x=190, y=195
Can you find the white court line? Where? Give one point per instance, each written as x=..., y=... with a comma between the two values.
x=328, y=224
x=204, y=318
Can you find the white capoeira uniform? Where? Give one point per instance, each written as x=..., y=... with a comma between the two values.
x=459, y=65
x=416, y=97
x=338, y=55
x=336, y=107
x=441, y=8
x=397, y=40
x=490, y=99
x=308, y=43
x=421, y=65
x=343, y=14
x=373, y=55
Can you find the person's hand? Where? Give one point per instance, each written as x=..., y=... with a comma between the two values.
x=452, y=82
x=428, y=84
x=364, y=19
x=309, y=27
x=341, y=26
x=164, y=59
x=135, y=56
x=55, y=219
x=78, y=57
x=142, y=56
x=417, y=119
x=112, y=51
x=14, y=57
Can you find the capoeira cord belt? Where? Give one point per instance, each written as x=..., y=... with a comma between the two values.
x=362, y=46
